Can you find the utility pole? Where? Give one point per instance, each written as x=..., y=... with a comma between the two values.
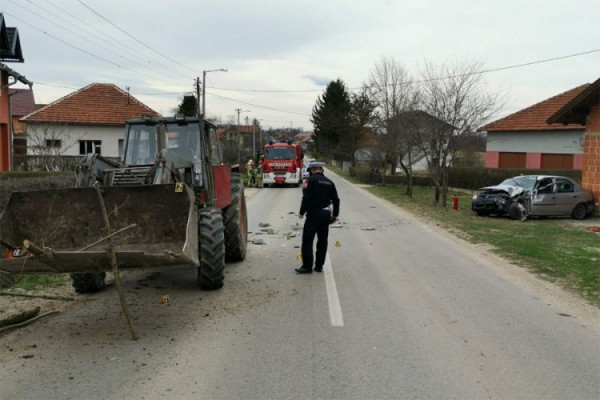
x=254, y=138
x=239, y=111
x=200, y=111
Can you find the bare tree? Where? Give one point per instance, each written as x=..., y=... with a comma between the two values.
x=457, y=95
x=49, y=142
x=391, y=88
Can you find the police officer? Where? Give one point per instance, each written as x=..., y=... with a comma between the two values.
x=321, y=204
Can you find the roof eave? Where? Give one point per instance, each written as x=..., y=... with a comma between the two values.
x=16, y=75
x=563, y=112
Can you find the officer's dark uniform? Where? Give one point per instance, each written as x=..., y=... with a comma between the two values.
x=320, y=202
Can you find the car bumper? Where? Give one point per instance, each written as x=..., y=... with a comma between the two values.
x=488, y=206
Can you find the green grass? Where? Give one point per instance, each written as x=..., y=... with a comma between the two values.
x=552, y=248
x=36, y=282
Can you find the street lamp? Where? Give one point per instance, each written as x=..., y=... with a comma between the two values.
x=203, y=111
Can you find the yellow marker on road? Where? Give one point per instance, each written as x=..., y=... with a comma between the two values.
x=337, y=244
x=299, y=256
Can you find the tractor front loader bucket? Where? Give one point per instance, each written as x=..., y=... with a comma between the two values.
x=63, y=230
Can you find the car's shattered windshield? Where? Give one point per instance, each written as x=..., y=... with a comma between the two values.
x=526, y=182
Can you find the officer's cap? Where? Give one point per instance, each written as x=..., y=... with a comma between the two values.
x=315, y=164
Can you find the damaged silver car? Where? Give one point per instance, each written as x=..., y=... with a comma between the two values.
x=520, y=197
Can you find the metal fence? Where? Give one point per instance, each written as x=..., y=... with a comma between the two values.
x=47, y=163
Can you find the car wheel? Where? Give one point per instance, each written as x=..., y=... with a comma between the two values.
x=515, y=211
x=579, y=212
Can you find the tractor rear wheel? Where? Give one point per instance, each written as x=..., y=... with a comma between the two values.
x=235, y=220
x=88, y=282
x=211, y=244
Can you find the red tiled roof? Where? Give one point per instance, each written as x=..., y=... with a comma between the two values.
x=569, y=114
x=22, y=102
x=534, y=118
x=95, y=104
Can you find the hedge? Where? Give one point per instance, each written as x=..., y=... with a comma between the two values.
x=465, y=178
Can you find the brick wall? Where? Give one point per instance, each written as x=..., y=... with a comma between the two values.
x=590, y=175
x=593, y=124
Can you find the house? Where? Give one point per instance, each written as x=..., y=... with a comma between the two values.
x=10, y=51
x=525, y=140
x=584, y=109
x=90, y=120
x=245, y=139
x=22, y=102
x=423, y=132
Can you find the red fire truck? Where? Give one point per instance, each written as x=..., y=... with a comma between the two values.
x=282, y=164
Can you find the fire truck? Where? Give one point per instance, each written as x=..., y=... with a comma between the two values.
x=282, y=164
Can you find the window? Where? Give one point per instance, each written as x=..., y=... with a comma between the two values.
x=564, y=186
x=121, y=147
x=546, y=186
x=54, y=143
x=90, y=146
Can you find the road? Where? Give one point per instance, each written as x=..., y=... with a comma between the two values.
x=402, y=311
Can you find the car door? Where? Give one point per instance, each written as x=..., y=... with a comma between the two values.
x=566, y=198
x=543, y=199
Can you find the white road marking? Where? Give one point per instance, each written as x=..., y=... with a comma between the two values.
x=335, y=310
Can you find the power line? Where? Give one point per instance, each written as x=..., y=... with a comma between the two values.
x=423, y=80
x=111, y=40
x=86, y=39
x=154, y=77
x=258, y=105
x=133, y=37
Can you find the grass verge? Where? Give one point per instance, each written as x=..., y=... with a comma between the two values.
x=37, y=282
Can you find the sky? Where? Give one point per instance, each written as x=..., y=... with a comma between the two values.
x=281, y=54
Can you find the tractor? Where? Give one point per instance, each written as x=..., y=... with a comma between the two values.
x=169, y=200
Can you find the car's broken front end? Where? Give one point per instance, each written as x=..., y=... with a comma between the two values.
x=501, y=200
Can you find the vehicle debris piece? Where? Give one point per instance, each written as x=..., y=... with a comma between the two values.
x=264, y=224
x=258, y=241
x=368, y=228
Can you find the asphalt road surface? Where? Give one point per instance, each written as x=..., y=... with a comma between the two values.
x=402, y=311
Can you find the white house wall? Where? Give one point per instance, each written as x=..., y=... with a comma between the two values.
x=554, y=142
x=109, y=137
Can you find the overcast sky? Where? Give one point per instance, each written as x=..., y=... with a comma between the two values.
x=281, y=54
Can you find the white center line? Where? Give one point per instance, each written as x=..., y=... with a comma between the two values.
x=335, y=310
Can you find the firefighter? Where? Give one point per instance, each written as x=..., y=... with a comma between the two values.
x=249, y=168
x=321, y=204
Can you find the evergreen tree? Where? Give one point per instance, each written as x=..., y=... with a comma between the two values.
x=331, y=118
x=188, y=106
